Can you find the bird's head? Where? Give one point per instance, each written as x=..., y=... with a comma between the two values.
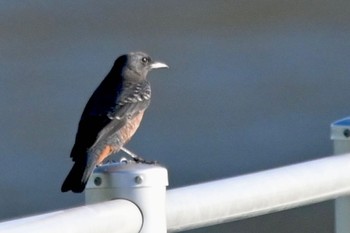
x=138, y=64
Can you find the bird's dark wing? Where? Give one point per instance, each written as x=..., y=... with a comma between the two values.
x=128, y=112
x=93, y=125
x=95, y=115
x=134, y=99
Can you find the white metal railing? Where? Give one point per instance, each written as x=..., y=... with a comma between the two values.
x=209, y=203
x=340, y=134
x=259, y=193
x=112, y=216
x=202, y=204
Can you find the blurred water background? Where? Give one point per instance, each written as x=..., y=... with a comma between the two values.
x=252, y=85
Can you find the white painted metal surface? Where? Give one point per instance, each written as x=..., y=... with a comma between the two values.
x=340, y=134
x=257, y=194
x=143, y=184
x=203, y=204
x=119, y=216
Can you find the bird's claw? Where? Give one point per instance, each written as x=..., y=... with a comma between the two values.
x=137, y=158
x=142, y=160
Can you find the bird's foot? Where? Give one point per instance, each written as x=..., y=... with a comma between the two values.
x=137, y=158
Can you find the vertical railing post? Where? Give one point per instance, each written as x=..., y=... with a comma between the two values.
x=142, y=184
x=340, y=134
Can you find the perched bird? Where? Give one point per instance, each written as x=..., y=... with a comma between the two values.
x=111, y=116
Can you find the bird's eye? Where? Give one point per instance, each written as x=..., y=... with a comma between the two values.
x=145, y=59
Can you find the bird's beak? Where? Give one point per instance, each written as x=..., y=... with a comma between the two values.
x=157, y=65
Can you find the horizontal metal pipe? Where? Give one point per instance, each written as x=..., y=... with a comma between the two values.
x=258, y=193
x=208, y=203
x=120, y=216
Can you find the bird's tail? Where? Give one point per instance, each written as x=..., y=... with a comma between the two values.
x=75, y=180
x=82, y=169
